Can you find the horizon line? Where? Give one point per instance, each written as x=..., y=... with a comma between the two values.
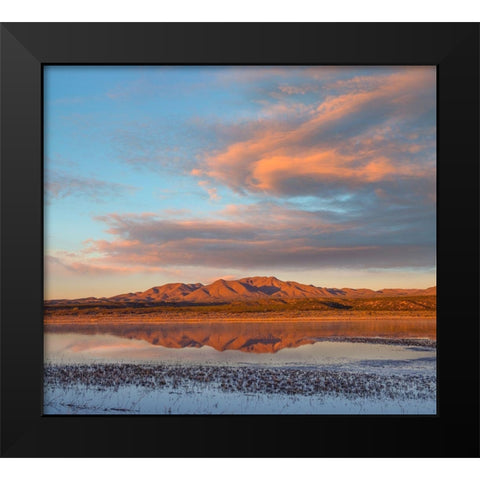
x=239, y=279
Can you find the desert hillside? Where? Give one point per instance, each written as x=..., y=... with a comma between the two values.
x=249, y=299
x=250, y=289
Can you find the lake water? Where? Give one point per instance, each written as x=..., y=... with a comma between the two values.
x=329, y=367
x=286, y=342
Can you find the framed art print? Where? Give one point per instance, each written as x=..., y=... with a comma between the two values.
x=239, y=236
x=240, y=240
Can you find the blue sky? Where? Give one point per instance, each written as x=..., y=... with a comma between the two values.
x=162, y=174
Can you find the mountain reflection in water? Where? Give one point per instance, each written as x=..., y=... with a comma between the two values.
x=255, y=337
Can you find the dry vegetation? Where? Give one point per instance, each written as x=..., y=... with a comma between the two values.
x=247, y=380
x=271, y=310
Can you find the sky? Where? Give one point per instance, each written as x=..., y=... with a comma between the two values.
x=158, y=174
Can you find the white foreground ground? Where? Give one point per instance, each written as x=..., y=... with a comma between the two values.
x=134, y=400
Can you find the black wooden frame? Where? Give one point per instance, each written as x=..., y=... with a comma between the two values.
x=453, y=48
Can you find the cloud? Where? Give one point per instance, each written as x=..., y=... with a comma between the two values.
x=60, y=184
x=361, y=133
x=274, y=254
x=61, y=263
x=265, y=235
x=167, y=145
x=258, y=77
x=212, y=191
x=296, y=89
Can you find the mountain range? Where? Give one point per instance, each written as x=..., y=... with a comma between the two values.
x=242, y=290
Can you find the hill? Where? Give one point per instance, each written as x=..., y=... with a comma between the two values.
x=244, y=290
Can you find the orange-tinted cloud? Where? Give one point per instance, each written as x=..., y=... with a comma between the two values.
x=259, y=235
x=355, y=135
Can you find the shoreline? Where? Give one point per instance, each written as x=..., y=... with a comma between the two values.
x=224, y=319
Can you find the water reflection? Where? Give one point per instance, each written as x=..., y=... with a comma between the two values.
x=254, y=337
